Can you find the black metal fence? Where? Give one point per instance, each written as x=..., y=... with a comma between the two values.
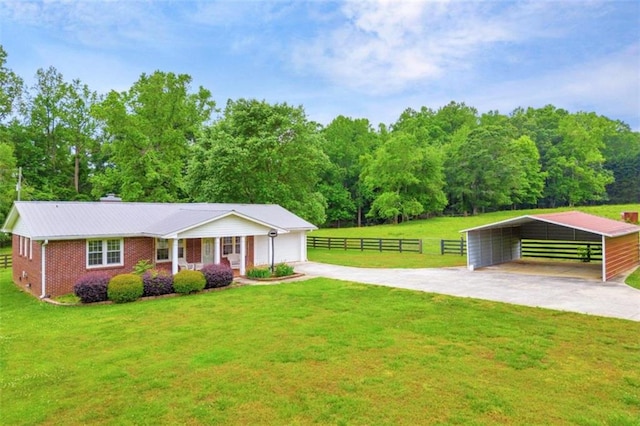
x=401, y=245
x=453, y=247
x=584, y=251
x=5, y=261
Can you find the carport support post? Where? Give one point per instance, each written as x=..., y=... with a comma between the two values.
x=604, y=258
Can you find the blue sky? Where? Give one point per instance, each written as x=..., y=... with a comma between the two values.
x=362, y=59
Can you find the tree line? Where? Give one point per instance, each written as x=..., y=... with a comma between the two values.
x=163, y=141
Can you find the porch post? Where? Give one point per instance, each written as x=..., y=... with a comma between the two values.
x=216, y=251
x=243, y=254
x=174, y=256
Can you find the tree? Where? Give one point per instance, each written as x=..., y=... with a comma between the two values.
x=346, y=141
x=622, y=153
x=44, y=150
x=576, y=172
x=528, y=180
x=406, y=177
x=147, y=134
x=261, y=153
x=482, y=169
x=8, y=171
x=81, y=130
x=11, y=88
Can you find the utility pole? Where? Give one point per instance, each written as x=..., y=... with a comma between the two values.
x=19, y=185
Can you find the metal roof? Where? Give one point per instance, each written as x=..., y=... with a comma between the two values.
x=573, y=219
x=69, y=220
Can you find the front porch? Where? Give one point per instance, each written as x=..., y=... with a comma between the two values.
x=193, y=253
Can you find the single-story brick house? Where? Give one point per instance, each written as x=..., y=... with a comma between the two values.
x=54, y=242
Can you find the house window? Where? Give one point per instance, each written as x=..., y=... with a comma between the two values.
x=230, y=245
x=164, y=252
x=104, y=252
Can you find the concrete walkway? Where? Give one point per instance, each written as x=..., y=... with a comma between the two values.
x=610, y=299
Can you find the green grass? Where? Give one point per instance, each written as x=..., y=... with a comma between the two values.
x=431, y=231
x=634, y=279
x=313, y=352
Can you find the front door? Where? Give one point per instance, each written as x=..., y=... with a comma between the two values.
x=207, y=250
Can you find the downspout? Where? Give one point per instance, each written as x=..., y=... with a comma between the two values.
x=44, y=269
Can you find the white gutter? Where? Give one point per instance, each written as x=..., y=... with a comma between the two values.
x=44, y=270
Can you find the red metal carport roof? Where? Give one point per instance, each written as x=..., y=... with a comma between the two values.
x=572, y=219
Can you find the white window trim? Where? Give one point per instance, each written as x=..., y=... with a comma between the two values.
x=104, y=263
x=30, y=249
x=21, y=237
x=235, y=245
x=181, y=242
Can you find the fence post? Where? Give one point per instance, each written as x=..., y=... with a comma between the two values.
x=461, y=246
x=380, y=244
x=361, y=244
x=400, y=246
x=344, y=243
x=329, y=243
x=420, y=246
x=441, y=247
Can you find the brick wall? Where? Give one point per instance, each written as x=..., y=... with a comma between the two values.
x=26, y=267
x=66, y=262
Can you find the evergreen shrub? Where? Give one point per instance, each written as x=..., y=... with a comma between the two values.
x=92, y=287
x=125, y=288
x=157, y=282
x=186, y=281
x=217, y=275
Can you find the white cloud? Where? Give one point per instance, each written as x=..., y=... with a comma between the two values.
x=387, y=46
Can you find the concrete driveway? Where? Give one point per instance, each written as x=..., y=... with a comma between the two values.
x=610, y=299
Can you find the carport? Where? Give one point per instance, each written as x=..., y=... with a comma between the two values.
x=566, y=236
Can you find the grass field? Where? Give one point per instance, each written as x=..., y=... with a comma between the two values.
x=313, y=352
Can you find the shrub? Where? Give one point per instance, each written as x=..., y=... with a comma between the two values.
x=142, y=266
x=125, y=288
x=257, y=273
x=186, y=281
x=283, y=270
x=217, y=275
x=157, y=282
x=92, y=287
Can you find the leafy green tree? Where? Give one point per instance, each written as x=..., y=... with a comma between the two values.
x=528, y=179
x=575, y=166
x=44, y=151
x=261, y=153
x=482, y=169
x=147, y=134
x=11, y=88
x=346, y=141
x=406, y=176
x=82, y=128
x=8, y=180
x=622, y=154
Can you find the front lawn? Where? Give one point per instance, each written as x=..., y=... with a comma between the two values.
x=318, y=351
